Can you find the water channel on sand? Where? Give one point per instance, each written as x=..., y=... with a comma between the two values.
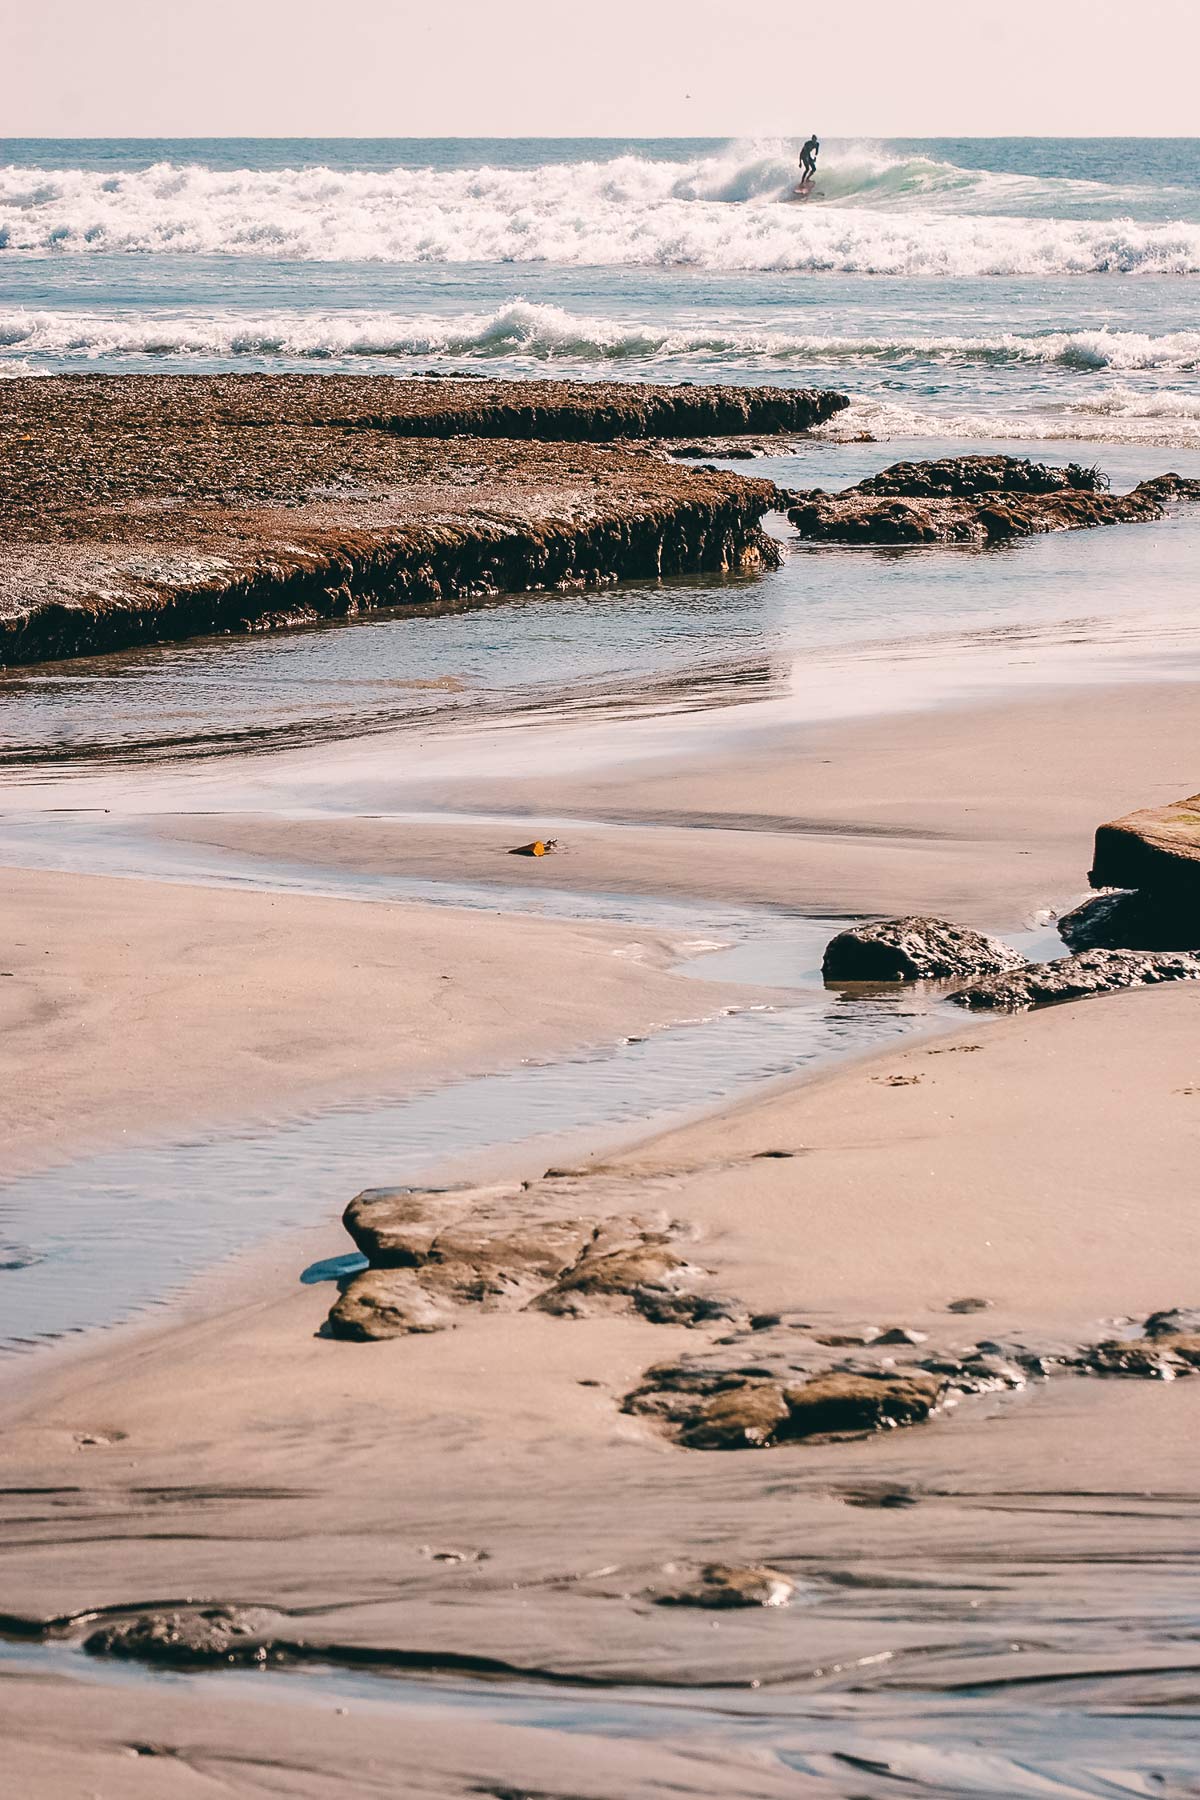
x=1004, y=1603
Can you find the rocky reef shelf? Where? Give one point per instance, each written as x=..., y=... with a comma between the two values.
x=139, y=509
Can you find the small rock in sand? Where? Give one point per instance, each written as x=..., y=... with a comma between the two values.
x=190, y=1638
x=970, y=1303
x=732, y=1584
x=756, y=1414
x=386, y=1303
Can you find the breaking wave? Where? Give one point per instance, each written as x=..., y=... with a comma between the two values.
x=1166, y=421
x=881, y=214
x=524, y=330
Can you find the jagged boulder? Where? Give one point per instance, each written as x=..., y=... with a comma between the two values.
x=914, y=949
x=1076, y=978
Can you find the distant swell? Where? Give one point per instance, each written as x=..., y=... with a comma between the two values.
x=881, y=215
x=523, y=330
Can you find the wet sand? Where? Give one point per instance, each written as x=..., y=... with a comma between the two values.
x=133, y=1006
x=986, y=813
x=1038, y=1553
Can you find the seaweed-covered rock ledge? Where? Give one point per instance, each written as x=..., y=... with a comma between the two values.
x=145, y=508
x=977, y=500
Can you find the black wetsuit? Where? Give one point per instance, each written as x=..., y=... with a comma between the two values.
x=808, y=160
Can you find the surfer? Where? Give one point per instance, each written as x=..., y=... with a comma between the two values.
x=808, y=159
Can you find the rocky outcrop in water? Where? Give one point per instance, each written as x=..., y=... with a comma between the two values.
x=141, y=509
x=914, y=949
x=1076, y=978
x=976, y=500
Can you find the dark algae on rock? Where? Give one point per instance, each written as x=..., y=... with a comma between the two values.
x=140, y=509
x=1076, y=978
x=977, y=500
x=914, y=949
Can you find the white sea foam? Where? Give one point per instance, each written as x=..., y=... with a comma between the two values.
x=1165, y=421
x=524, y=330
x=881, y=215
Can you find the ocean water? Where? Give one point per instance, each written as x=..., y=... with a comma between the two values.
x=969, y=289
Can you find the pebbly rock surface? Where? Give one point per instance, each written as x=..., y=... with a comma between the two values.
x=1156, y=851
x=1077, y=978
x=1168, y=1347
x=194, y=1637
x=976, y=500
x=145, y=508
x=914, y=949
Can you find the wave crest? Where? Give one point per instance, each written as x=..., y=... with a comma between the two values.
x=543, y=333
x=882, y=215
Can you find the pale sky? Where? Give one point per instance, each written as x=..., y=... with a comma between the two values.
x=647, y=68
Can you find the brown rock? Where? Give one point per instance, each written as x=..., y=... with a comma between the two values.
x=746, y=1417
x=598, y=1282
x=850, y=1403
x=1157, y=1358
x=483, y=1259
x=1157, y=850
x=386, y=1303
x=143, y=508
x=394, y=1227
x=722, y=1585
x=190, y=1638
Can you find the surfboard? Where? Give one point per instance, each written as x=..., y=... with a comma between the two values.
x=806, y=191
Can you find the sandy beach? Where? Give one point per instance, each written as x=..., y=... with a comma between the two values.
x=477, y=1497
